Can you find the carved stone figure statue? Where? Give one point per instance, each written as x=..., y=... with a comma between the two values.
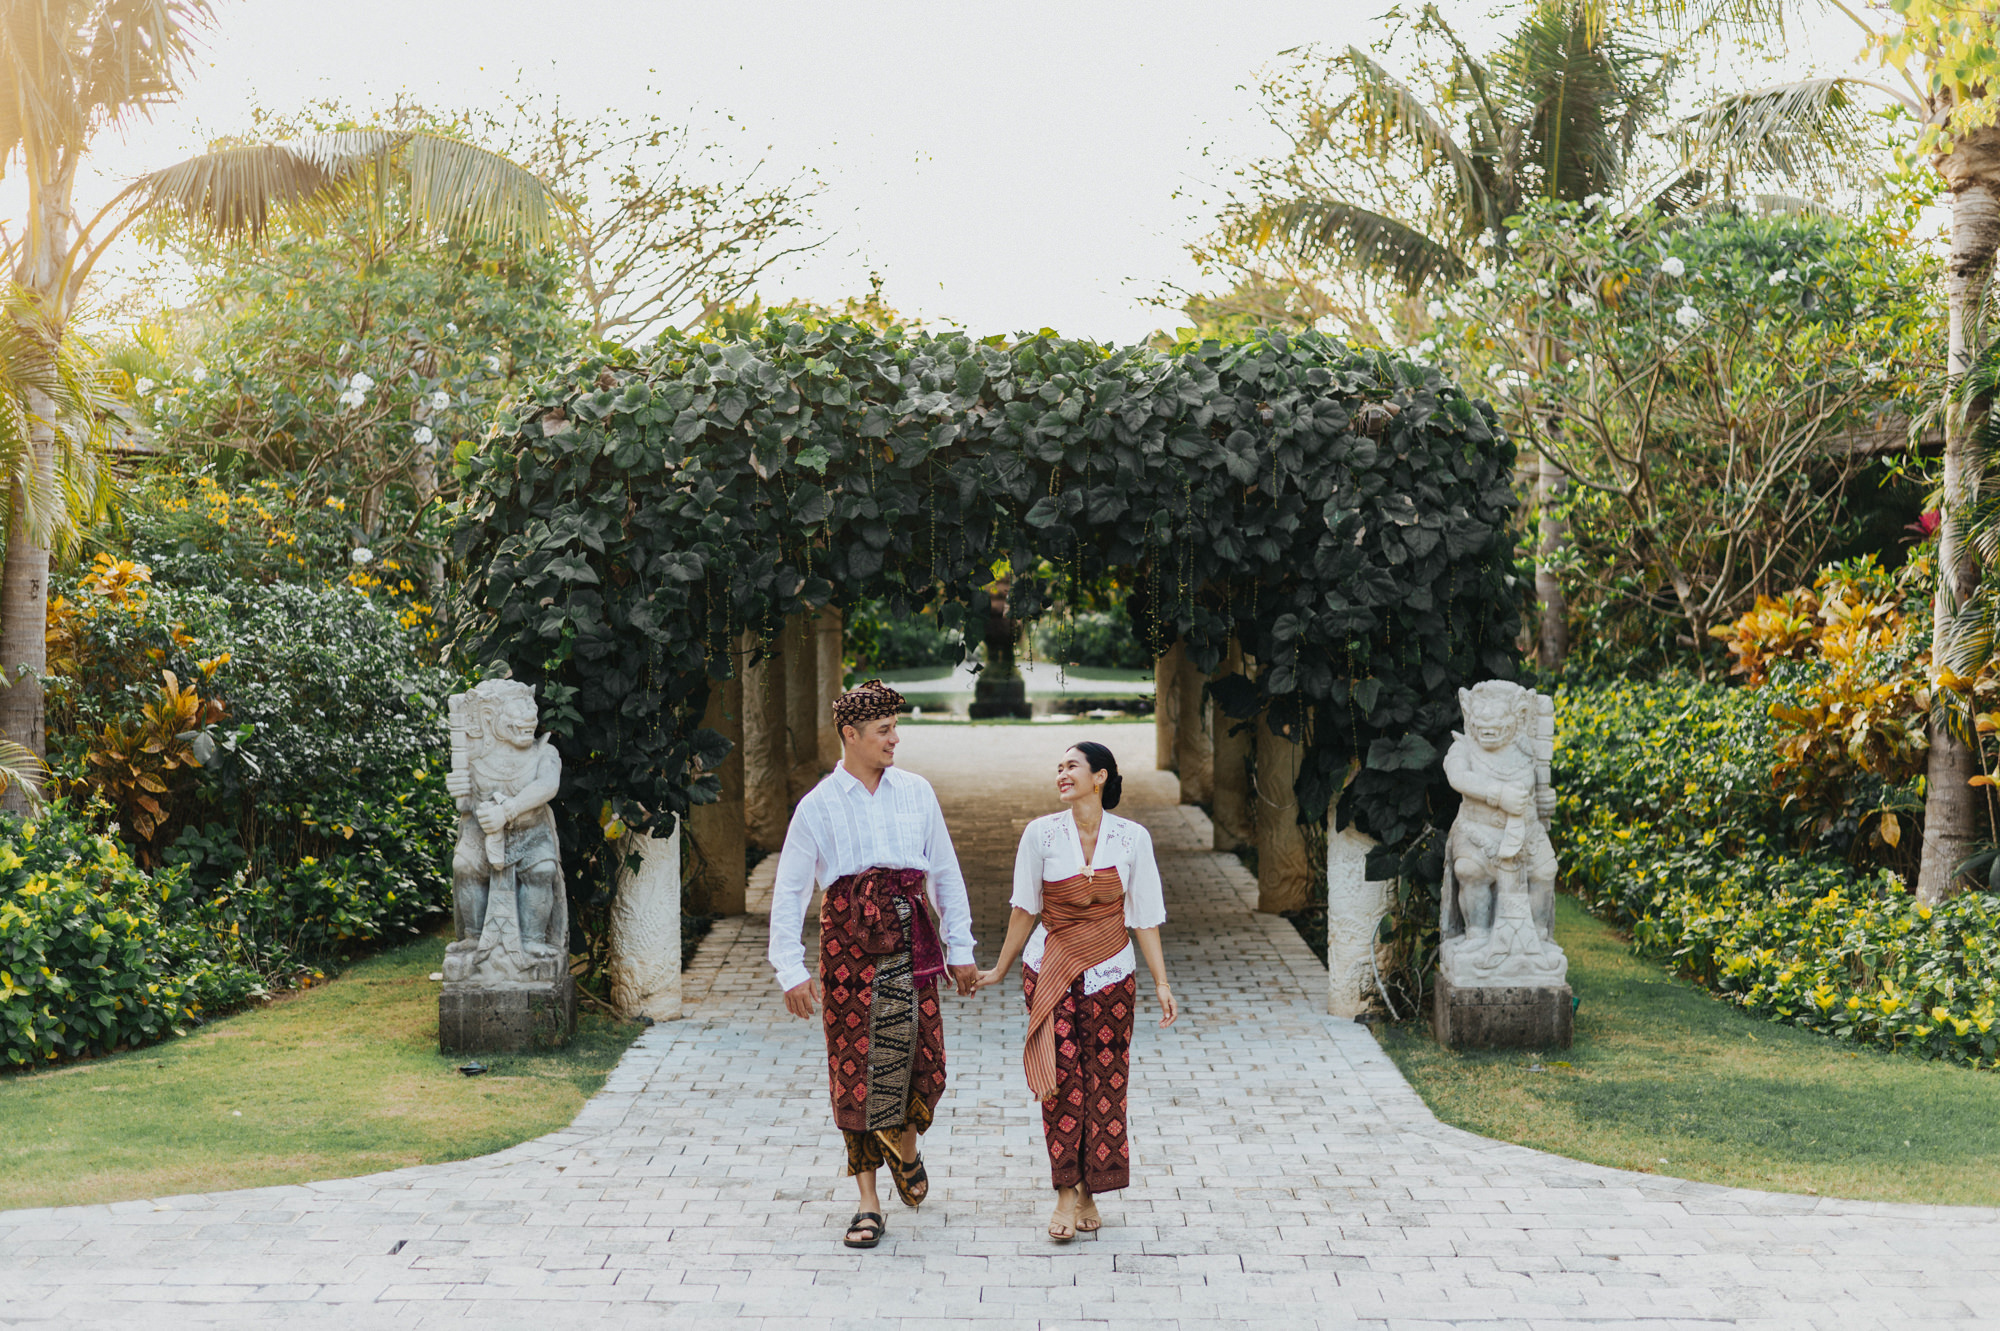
x=507, y=884
x=1500, y=870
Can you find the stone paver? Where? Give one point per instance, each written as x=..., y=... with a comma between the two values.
x=1286, y=1175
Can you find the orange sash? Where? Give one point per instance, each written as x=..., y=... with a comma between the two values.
x=1085, y=917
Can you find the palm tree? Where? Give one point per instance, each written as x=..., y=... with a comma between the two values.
x=1556, y=113
x=1952, y=98
x=70, y=68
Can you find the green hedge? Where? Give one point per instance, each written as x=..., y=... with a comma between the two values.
x=1667, y=826
x=1343, y=515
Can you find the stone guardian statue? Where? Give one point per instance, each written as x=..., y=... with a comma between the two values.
x=507, y=883
x=1498, y=901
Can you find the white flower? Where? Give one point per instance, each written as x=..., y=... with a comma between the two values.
x=1435, y=309
x=452, y=329
x=1688, y=317
x=1581, y=303
x=1673, y=267
x=360, y=383
x=493, y=364
x=201, y=374
x=1514, y=381
x=142, y=386
x=362, y=554
x=440, y=400
x=1778, y=278
x=1875, y=373
x=1514, y=236
x=1488, y=278
x=421, y=435
x=1542, y=287
x=1592, y=200
x=352, y=397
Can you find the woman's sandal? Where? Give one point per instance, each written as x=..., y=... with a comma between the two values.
x=913, y=1182
x=868, y=1224
x=1062, y=1225
x=1088, y=1221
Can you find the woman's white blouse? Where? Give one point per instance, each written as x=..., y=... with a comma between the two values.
x=1051, y=851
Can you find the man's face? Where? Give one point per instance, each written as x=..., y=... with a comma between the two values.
x=871, y=744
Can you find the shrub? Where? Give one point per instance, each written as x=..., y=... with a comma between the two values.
x=880, y=639
x=1670, y=825
x=1103, y=639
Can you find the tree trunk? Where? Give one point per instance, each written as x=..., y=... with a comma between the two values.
x=24, y=619
x=1951, y=807
x=829, y=673
x=766, y=752
x=1552, y=640
x=1193, y=748
x=802, y=704
x=1230, y=766
x=1166, y=708
x=717, y=830
x=1284, y=878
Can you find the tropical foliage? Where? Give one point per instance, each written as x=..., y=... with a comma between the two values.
x=1342, y=515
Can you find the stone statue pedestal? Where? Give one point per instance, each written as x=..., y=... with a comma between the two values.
x=999, y=698
x=1503, y=1017
x=476, y=1018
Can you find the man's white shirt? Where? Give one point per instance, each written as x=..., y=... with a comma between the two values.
x=840, y=829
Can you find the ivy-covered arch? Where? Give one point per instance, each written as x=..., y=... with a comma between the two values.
x=1345, y=515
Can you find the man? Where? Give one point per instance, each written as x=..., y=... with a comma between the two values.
x=875, y=837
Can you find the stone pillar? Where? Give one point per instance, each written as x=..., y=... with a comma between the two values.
x=767, y=805
x=718, y=830
x=1194, y=755
x=646, y=933
x=1355, y=905
x=1231, y=758
x=1166, y=707
x=1282, y=871
x=802, y=707
x=830, y=673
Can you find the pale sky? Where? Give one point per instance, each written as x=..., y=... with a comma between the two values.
x=1004, y=166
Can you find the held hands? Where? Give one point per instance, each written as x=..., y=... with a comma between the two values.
x=965, y=979
x=987, y=979
x=801, y=1000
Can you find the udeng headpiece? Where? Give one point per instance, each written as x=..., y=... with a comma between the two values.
x=864, y=703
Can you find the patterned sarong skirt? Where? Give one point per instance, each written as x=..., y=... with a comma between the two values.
x=884, y=1025
x=1084, y=1123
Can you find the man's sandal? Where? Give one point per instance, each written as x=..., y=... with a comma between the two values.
x=869, y=1225
x=913, y=1182
x=1062, y=1225
x=1088, y=1221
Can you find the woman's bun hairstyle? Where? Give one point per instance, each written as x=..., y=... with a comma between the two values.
x=1100, y=760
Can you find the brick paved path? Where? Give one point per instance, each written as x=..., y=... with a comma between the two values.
x=1285, y=1175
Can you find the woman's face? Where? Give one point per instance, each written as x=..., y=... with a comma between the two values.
x=1074, y=779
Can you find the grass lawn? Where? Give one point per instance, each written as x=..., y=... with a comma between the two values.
x=340, y=1080
x=1667, y=1080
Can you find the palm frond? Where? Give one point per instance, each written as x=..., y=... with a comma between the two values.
x=459, y=188
x=1791, y=128
x=67, y=68
x=1332, y=229
x=1392, y=118
x=51, y=380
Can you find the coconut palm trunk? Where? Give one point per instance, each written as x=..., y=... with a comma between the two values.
x=1951, y=803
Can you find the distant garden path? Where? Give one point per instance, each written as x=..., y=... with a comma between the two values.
x=1286, y=1175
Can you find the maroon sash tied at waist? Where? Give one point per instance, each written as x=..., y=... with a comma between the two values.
x=1085, y=917
x=873, y=925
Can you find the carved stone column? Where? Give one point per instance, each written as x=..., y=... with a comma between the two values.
x=1355, y=905
x=1282, y=872
x=646, y=933
x=802, y=705
x=767, y=805
x=1194, y=754
x=718, y=829
x=1231, y=806
x=828, y=643
x=1166, y=708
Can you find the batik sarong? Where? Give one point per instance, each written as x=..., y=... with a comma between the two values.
x=880, y=959
x=1084, y=1122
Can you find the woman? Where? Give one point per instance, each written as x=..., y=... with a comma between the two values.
x=1088, y=876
